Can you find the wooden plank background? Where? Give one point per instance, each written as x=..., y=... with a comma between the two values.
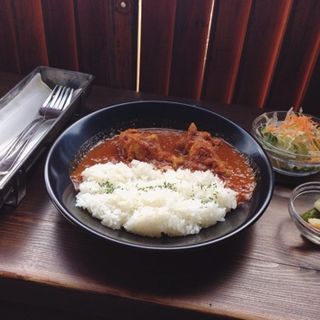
x=255, y=52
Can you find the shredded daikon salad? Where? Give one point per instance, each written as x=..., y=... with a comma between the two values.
x=297, y=133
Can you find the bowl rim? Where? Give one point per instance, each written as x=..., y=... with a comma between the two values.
x=311, y=186
x=69, y=216
x=279, y=151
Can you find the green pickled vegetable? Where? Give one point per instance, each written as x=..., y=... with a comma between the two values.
x=310, y=214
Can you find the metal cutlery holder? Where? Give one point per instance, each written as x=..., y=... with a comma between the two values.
x=13, y=184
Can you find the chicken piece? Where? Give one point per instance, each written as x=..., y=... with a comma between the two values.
x=191, y=136
x=200, y=149
x=203, y=156
x=177, y=161
x=183, y=145
x=139, y=145
x=195, y=149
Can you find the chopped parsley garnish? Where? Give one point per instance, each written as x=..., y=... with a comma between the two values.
x=165, y=185
x=210, y=199
x=107, y=186
x=207, y=186
x=170, y=186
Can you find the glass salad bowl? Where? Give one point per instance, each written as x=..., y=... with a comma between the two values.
x=303, y=212
x=291, y=140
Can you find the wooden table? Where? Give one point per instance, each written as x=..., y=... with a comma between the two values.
x=50, y=268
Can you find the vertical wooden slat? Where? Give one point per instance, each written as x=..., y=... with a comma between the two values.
x=30, y=34
x=298, y=55
x=60, y=31
x=228, y=32
x=124, y=43
x=9, y=60
x=311, y=102
x=266, y=29
x=92, y=38
x=189, y=48
x=156, y=45
x=106, y=32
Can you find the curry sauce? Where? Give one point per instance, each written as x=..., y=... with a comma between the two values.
x=166, y=148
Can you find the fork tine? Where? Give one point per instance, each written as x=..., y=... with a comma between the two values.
x=65, y=99
x=57, y=103
x=61, y=106
x=70, y=96
x=50, y=96
x=56, y=95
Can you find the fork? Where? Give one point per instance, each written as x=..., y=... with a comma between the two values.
x=57, y=101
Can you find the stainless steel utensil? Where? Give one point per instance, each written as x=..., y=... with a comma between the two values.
x=57, y=101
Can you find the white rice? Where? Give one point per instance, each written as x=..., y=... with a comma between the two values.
x=150, y=202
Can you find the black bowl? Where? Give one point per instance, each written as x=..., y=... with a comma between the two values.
x=154, y=114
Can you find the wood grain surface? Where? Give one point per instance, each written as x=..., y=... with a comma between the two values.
x=9, y=58
x=266, y=28
x=313, y=93
x=302, y=45
x=189, y=47
x=60, y=31
x=29, y=34
x=157, y=33
x=105, y=41
x=47, y=263
x=227, y=38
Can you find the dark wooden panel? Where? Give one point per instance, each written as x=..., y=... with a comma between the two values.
x=92, y=34
x=107, y=40
x=60, y=33
x=122, y=33
x=228, y=32
x=8, y=45
x=189, y=48
x=311, y=102
x=30, y=35
x=266, y=28
x=298, y=55
x=156, y=45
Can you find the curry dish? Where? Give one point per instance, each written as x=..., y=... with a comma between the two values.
x=166, y=148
